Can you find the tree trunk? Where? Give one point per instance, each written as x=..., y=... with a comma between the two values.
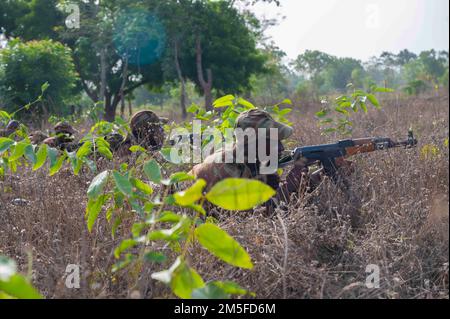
x=122, y=87
x=182, y=82
x=206, y=84
x=130, y=108
x=111, y=107
x=102, y=94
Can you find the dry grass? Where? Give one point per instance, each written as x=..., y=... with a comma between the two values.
x=316, y=247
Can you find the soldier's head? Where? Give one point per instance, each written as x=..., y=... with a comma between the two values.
x=256, y=119
x=64, y=128
x=115, y=140
x=148, y=130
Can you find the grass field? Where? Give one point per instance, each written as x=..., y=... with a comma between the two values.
x=317, y=246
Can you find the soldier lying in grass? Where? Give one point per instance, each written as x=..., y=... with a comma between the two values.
x=214, y=168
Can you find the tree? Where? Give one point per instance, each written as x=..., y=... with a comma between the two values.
x=26, y=66
x=339, y=72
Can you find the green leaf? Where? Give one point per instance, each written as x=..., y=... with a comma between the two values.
x=178, y=178
x=29, y=154
x=246, y=104
x=94, y=208
x=185, y=280
x=123, y=184
x=97, y=185
x=239, y=194
x=363, y=106
x=383, y=90
x=286, y=101
x=18, y=151
x=5, y=143
x=153, y=171
x=155, y=257
x=124, y=245
x=105, y=151
x=219, y=290
x=210, y=291
x=192, y=109
x=85, y=149
x=372, y=98
x=223, y=246
x=224, y=101
x=58, y=164
x=18, y=287
x=143, y=187
x=321, y=113
x=41, y=156
x=190, y=195
x=137, y=148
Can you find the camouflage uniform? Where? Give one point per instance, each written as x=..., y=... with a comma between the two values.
x=147, y=131
x=10, y=128
x=63, y=138
x=213, y=172
x=37, y=137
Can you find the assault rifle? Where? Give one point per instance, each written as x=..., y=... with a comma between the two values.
x=328, y=154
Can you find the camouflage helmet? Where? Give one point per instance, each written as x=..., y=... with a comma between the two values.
x=256, y=119
x=115, y=140
x=13, y=125
x=147, y=129
x=64, y=128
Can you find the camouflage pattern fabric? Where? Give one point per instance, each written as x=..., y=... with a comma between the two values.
x=10, y=128
x=147, y=129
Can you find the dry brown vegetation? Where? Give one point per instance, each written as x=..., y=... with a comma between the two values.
x=317, y=246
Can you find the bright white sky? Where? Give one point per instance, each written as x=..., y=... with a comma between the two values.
x=358, y=28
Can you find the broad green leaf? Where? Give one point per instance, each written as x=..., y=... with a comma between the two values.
x=246, y=104
x=105, y=151
x=18, y=151
x=123, y=184
x=52, y=154
x=286, y=101
x=223, y=246
x=169, y=217
x=58, y=164
x=41, y=156
x=29, y=154
x=94, y=208
x=85, y=149
x=97, y=185
x=239, y=194
x=185, y=280
x=18, y=287
x=153, y=171
x=226, y=100
x=210, y=291
x=143, y=187
x=372, y=98
x=5, y=143
x=190, y=195
x=363, y=106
